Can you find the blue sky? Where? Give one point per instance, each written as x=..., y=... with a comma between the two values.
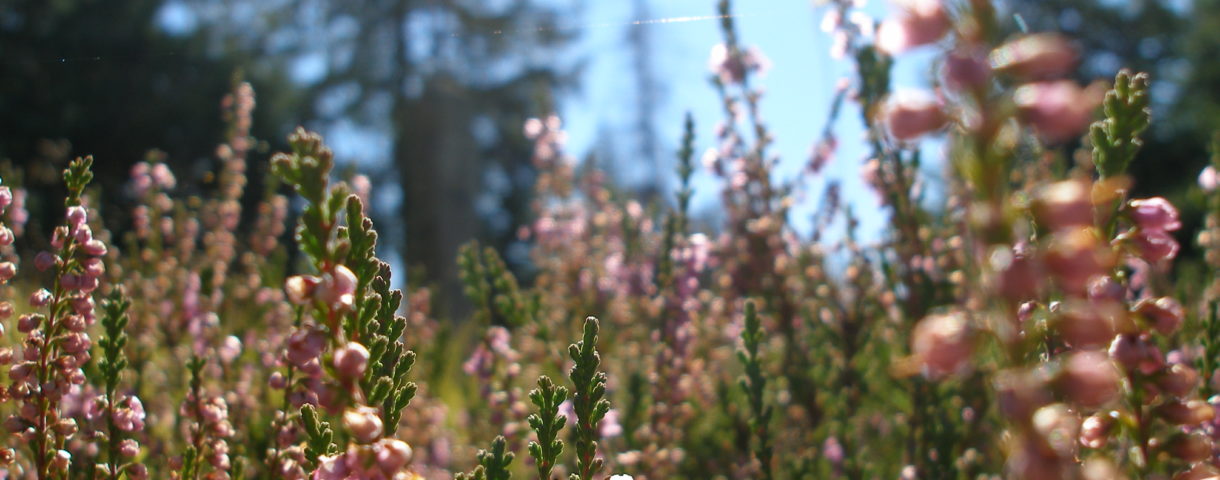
x=799, y=88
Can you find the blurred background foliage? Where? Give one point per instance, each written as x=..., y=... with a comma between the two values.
x=449, y=84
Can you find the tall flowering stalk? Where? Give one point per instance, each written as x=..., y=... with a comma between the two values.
x=56, y=345
x=353, y=326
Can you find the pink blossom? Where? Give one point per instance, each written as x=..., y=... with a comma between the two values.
x=942, y=343
x=1207, y=179
x=1089, y=379
x=1155, y=246
x=351, y=360
x=1154, y=213
x=919, y=23
x=908, y=114
x=733, y=66
x=965, y=71
x=1058, y=110
x=1037, y=57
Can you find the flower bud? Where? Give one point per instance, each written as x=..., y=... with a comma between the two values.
x=6, y=198
x=1154, y=213
x=392, y=455
x=6, y=236
x=1189, y=447
x=300, y=288
x=1089, y=379
x=1075, y=257
x=965, y=71
x=1089, y=325
x=1165, y=314
x=28, y=322
x=77, y=216
x=1039, y=56
x=919, y=23
x=942, y=344
x=1064, y=204
x=1058, y=111
x=129, y=448
x=1095, y=430
x=1191, y=412
x=908, y=115
x=351, y=360
x=7, y=271
x=94, y=247
x=364, y=423
x=1058, y=426
x=45, y=261
x=1154, y=246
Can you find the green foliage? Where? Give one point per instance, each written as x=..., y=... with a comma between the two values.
x=76, y=177
x=493, y=465
x=754, y=385
x=588, y=400
x=320, y=438
x=1116, y=139
x=493, y=288
x=307, y=170
x=547, y=423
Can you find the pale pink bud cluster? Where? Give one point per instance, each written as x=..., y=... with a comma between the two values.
x=1153, y=219
x=942, y=344
x=908, y=115
x=145, y=176
x=1058, y=110
x=918, y=22
x=211, y=421
x=731, y=65
x=336, y=288
x=386, y=459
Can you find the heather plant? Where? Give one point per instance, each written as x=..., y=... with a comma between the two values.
x=1023, y=315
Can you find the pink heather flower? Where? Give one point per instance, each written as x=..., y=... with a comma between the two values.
x=1136, y=354
x=77, y=216
x=7, y=271
x=93, y=267
x=305, y=345
x=1154, y=213
x=1089, y=379
x=6, y=198
x=965, y=71
x=162, y=176
x=392, y=455
x=6, y=236
x=40, y=298
x=942, y=344
x=300, y=288
x=1064, y=204
x=1039, y=56
x=82, y=233
x=732, y=68
x=230, y=349
x=339, y=287
x=1207, y=179
x=1164, y=313
x=910, y=114
x=1178, y=380
x=364, y=423
x=1058, y=110
x=1155, y=246
x=1095, y=430
x=351, y=360
x=94, y=247
x=45, y=261
x=919, y=23
x=129, y=416
x=129, y=448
